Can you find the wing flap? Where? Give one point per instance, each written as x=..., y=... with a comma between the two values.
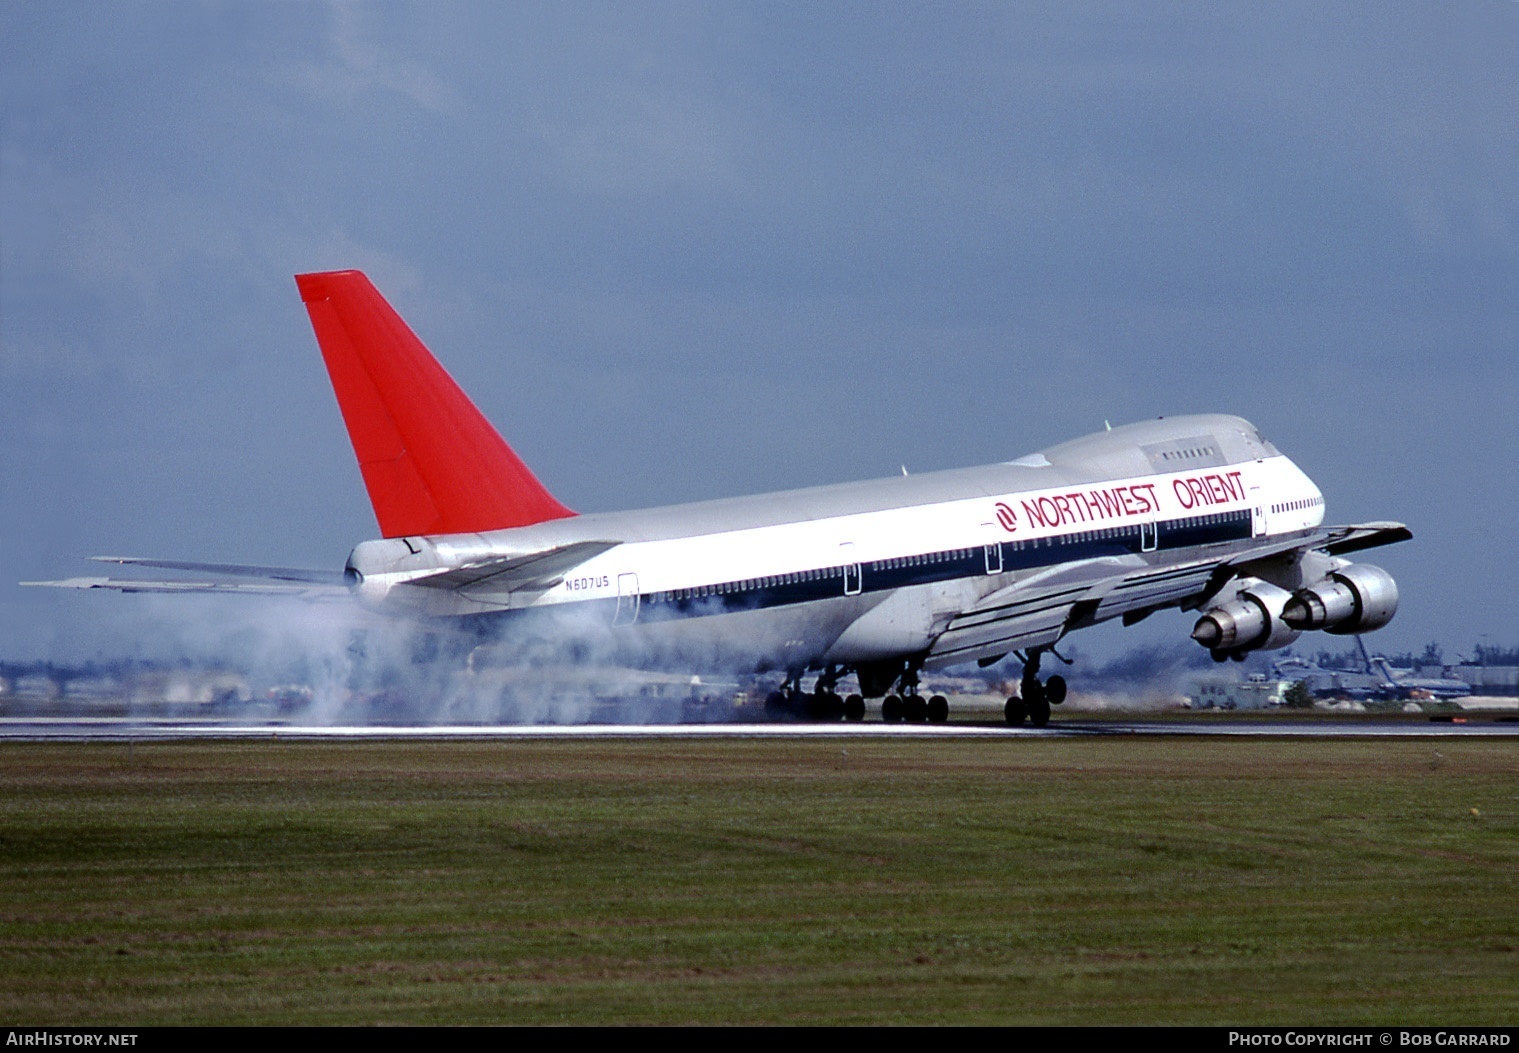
x=1030, y=613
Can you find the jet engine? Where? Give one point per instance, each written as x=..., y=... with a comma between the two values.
x=1357, y=598
x=1252, y=621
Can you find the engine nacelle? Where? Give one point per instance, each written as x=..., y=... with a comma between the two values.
x=1252, y=621
x=1354, y=599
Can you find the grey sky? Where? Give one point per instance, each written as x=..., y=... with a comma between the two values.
x=687, y=250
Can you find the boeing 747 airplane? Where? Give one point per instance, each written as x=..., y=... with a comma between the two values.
x=885, y=580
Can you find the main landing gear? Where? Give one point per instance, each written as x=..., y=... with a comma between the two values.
x=823, y=702
x=1035, y=697
x=912, y=707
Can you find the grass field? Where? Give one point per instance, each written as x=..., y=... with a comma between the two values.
x=855, y=881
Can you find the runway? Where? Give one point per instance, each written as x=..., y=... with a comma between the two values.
x=124, y=730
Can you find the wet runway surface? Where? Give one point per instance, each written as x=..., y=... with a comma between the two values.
x=53, y=729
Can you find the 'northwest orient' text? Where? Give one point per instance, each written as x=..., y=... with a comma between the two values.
x=1119, y=502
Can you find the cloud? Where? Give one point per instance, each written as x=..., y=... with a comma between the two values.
x=649, y=142
x=355, y=66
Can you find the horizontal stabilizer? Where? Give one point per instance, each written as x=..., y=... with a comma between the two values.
x=238, y=588
x=241, y=570
x=223, y=578
x=517, y=572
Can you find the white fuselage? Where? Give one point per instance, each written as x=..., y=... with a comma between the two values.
x=872, y=571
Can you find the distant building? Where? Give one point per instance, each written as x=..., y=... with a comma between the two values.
x=36, y=687
x=1489, y=679
x=1224, y=692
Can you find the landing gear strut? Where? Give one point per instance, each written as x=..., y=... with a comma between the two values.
x=1035, y=697
x=824, y=703
x=790, y=702
x=906, y=703
x=827, y=700
x=910, y=705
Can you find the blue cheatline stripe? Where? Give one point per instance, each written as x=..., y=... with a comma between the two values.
x=944, y=565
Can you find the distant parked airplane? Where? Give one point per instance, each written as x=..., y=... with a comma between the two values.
x=1402, y=683
x=1376, y=678
x=882, y=579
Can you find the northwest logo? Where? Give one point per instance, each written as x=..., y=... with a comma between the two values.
x=1006, y=517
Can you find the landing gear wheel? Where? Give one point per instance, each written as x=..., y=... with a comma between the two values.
x=1015, y=711
x=825, y=705
x=1054, y=689
x=777, y=706
x=1036, y=702
x=854, y=708
x=891, y=709
x=938, y=709
x=914, y=709
x=1039, y=710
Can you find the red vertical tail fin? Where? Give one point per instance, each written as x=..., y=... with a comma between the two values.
x=431, y=461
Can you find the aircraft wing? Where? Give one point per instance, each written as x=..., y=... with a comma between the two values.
x=1040, y=609
x=1336, y=540
x=1368, y=535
